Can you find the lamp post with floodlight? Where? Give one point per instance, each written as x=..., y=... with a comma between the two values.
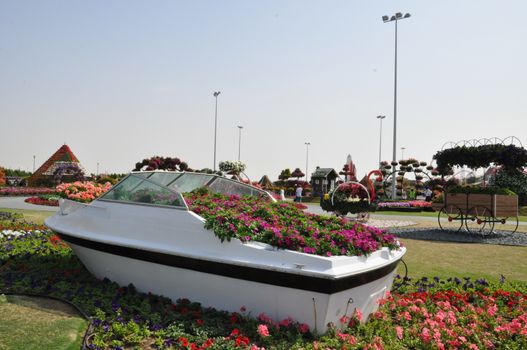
x=380, y=117
x=216, y=94
x=307, y=156
x=395, y=18
x=239, y=141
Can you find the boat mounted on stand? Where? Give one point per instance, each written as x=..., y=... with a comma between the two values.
x=142, y=232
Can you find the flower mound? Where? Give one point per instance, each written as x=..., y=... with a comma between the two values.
x=285, y=226
x=405, y=204
x=42, y=201
x=82, y=191
x=425, y=314
x=25, y=191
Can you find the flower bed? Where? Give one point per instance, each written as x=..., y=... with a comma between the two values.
x=427, y=313
x=284, y=225
x=415, y=205
x=42, y=201
x=85, y=191
x=25, y=191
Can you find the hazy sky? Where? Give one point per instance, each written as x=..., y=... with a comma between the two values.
x=119, y=81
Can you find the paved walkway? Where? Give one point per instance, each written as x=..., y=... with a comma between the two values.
x=18, y=203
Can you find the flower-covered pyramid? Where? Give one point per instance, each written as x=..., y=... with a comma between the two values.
x=43, y=176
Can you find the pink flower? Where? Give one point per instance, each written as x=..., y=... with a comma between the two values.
x=425, y=335
x=358, y=314
x=262, y=330
x=303, y=328
x=399, y=331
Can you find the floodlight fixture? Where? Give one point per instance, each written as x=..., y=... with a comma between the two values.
x=394, y=18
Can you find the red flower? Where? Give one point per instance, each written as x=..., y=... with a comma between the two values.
x=183, y=341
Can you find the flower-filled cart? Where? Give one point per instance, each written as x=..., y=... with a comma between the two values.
x=479, y=210
x=352, y=197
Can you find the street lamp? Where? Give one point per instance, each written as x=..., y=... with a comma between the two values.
x=307, y=156
x=402, y=152
x=380, y=117
x=216, y=94
x=97, y=169
x=395, y=18
x=34, y=162
x=239, y=141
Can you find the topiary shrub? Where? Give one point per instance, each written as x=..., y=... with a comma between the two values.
x=515, y=181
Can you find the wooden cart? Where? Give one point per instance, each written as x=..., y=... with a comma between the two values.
x=479, y=212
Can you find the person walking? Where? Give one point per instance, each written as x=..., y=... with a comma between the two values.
x=428, y=194
x=298, y=194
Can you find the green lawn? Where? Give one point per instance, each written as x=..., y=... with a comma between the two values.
x=36, y=216
x=39, y=323
x=427, y=258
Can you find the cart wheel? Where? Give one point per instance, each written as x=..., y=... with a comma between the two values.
x=479, y=220
x=450, y=218
x=509, y=224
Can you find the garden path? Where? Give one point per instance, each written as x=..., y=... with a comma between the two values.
x=18, y=203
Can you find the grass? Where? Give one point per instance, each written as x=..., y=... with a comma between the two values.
x=428, y=258
x=36, y=216
x=39, y=323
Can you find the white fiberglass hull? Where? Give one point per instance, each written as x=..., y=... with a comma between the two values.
x=169, y=252
x=315, y=309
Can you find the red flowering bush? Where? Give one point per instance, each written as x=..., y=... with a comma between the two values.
x=2, y=177
x=42, y=201
x=82, y=191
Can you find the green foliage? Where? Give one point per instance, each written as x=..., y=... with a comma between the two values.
x=480, y=190
x=516, y=181
x=510, y=157
x=342, y=206
x=285, y=174
x=17, y=172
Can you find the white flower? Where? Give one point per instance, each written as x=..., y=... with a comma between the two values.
x=11, y=233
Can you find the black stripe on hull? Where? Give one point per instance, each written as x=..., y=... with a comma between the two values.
x=253, y=274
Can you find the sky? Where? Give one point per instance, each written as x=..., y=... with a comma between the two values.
x=119, y=81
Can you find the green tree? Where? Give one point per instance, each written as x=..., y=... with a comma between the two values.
x=285, y=174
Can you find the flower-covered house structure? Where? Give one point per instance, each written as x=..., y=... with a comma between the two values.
x=63, y=166
x=323, y=180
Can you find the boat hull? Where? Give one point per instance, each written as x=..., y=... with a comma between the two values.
x=316, y=308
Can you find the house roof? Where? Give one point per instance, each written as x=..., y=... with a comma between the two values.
x=323, y=173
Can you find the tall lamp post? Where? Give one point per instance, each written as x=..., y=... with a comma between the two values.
x=216, y=94
x=402, y=152
x=34, y=157
x=395, y=18
x=380, y=117
x=307, y=156
x=97, y=169
x=239, y=140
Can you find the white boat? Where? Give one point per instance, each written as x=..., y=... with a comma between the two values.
x=142, y=232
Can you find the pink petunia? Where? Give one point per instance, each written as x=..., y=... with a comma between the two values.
x=263, y=330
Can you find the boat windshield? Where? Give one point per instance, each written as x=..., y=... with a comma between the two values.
x=166, y=187
x=137, y=189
